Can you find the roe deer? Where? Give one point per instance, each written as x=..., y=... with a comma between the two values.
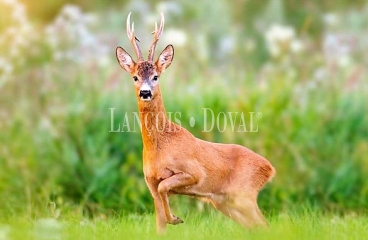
x=175, y=162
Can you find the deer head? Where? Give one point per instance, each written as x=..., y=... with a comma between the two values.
x=145, y=73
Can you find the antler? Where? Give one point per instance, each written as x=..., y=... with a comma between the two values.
x=157, y=33
x=133, y=39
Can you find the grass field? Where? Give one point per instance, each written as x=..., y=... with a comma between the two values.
x=302, y=225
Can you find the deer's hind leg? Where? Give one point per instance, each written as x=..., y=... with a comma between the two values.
x=242, y=209
x=249, y=208
x=231, y=212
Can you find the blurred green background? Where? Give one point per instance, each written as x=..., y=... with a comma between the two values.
x=302, y=64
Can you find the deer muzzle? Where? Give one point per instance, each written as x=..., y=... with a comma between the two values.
x=145, y=92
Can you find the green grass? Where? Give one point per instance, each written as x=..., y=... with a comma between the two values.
x=302, y=225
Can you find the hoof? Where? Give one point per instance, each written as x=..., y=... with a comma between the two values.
x=175, y=220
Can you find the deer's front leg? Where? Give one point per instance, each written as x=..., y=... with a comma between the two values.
x=176, y=181
x=152, y=184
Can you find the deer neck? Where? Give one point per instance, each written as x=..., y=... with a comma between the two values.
x=153, y=119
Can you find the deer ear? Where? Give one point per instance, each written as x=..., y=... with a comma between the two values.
x=165, y=58
x=125, y=60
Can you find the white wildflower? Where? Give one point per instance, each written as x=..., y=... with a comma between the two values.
x=296, y=46
x=175, y=37
x=5, y=66
x=72, y=12
x=331, y=19
x=279, y=33
x=19, y=13
x=71, y=37
x=10, y=2
x=169, y=7
x=338, y=47
x=281, y=40
x=11, y=31
x=18, y=35
x=6, y=70
x=320, y=74
x=227, y=44
x=45, y=124
x=277, y=38
x=344, y=61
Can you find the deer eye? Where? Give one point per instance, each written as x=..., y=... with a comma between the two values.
x=135, y=78
x=155, y=78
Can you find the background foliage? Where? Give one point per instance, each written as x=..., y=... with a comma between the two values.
x=302, y=64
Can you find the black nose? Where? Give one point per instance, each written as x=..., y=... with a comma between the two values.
x=145, y=94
